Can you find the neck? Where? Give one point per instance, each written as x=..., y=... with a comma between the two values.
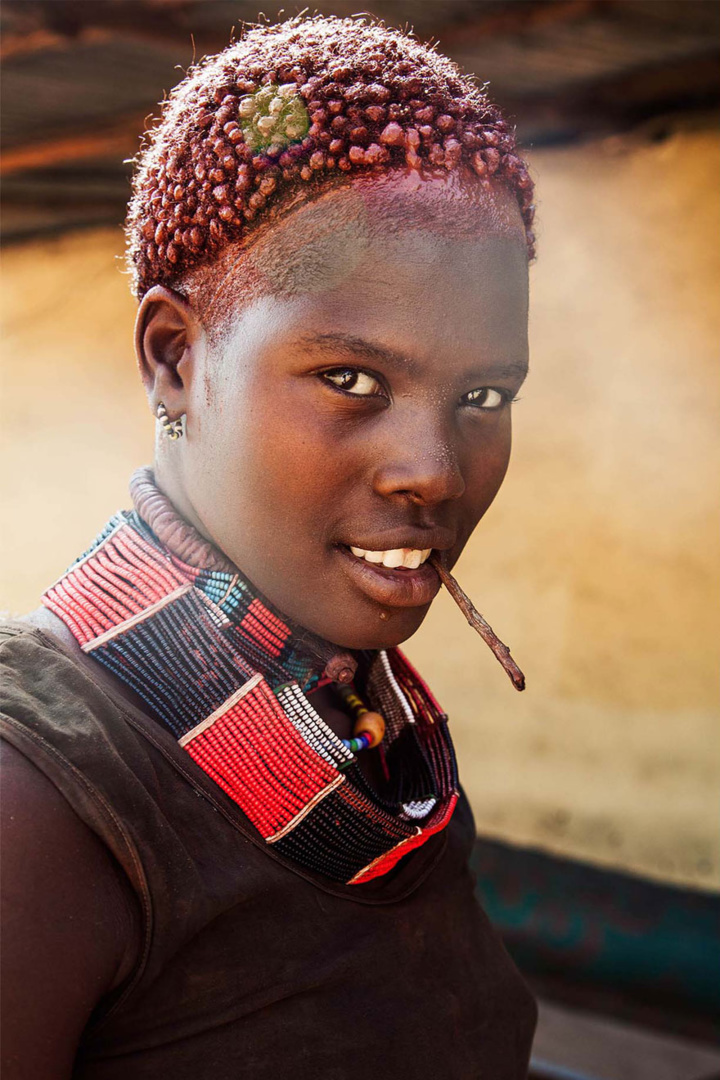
x=174, y=531
x=183, y=541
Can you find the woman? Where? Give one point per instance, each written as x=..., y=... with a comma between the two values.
x=235, y=840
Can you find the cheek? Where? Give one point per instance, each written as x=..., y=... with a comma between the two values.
x=285, y=452
x=276, y=468
x=486, y=466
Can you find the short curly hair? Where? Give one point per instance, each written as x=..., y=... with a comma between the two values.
x=303, y=104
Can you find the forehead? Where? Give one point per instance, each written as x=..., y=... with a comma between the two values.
x=403, y=259
x=319, y=242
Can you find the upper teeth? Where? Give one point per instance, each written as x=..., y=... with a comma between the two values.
x=396, y=559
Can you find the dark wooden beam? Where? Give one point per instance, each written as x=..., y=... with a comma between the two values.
x=118, y=138
x=12, y=45
x=519, y=18
x=64, y=24
x=622, y=103
x=186, y=44
x=163, y=24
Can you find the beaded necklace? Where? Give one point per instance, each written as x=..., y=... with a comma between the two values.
x=225, y=673
x=369, y=727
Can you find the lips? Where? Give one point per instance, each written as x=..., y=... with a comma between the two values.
x=390, y=565
x=402, y=537
x=400, y=587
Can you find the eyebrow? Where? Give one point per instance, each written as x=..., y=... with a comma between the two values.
x=359, y=347
x=371, y=353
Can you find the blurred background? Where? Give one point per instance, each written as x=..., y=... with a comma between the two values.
x=596, y=791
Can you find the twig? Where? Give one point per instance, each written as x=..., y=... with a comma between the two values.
x=477, y=622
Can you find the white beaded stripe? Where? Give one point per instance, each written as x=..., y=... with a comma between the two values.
x=221, y=710
x=217, y=614
x=339, y=779
x=135, y=620
x=304, y=717
x=417, y=810
x=409, y=714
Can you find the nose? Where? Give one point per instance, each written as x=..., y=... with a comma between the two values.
x=419, y=462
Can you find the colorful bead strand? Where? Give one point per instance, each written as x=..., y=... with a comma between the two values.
x=369, y=728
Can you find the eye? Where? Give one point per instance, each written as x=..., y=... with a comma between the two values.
x=353, y=381
x=485, y=397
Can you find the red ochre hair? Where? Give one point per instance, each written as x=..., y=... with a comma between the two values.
x=303, y=103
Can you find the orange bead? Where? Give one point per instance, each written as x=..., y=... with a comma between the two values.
x=372, y=724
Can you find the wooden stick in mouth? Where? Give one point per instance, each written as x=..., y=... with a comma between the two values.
x=477, y=622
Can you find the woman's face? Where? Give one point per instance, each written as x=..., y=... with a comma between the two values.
x=360, y=403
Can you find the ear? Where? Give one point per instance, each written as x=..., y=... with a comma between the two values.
x=168, y=338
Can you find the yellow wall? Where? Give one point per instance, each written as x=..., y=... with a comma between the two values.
x=598, y=563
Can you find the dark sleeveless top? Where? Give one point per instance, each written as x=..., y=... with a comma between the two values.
x=253, y=969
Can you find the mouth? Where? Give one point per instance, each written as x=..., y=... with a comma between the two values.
x=396, y=577
x=395, y=559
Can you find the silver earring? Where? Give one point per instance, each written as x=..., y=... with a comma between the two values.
x=172, y=428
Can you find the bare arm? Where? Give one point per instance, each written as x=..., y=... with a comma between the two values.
x=69, y=924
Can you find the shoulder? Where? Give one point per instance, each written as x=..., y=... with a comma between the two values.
x=70, y=922
x=50, y=833
x=57, y=706
x=60, y=734
x=51, y=859
x=32, y=645
x=51, y=710
x=38, y=676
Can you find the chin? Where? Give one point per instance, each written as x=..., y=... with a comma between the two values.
x=387, y=633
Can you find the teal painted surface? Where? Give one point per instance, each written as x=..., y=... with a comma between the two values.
x=566, y=918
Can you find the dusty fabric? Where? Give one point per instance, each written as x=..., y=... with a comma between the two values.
x=252, y=968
